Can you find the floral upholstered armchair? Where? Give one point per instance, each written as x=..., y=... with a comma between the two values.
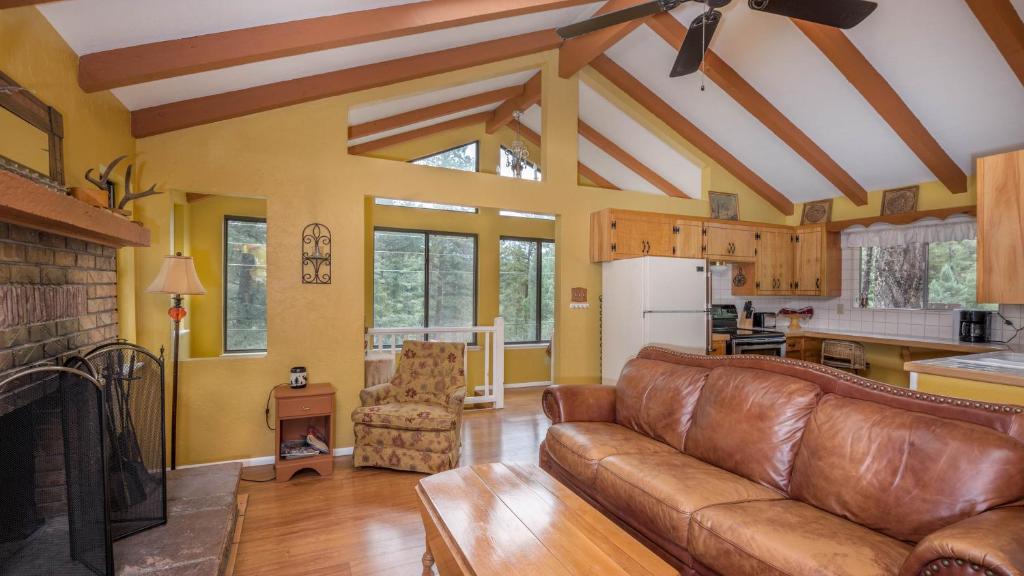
x=414, y=422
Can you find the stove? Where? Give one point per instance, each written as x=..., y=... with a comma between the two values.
x=725, y=320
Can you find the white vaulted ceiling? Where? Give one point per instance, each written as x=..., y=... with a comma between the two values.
x=934, y=53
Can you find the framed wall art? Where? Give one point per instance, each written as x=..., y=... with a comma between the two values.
x=724, y=205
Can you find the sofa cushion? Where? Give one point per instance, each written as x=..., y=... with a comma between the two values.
x=580, y=446
x=405, y=416
x=786, y=537
x=905, y=474
x=657, y=399
x=750, y=422
x=657, y=493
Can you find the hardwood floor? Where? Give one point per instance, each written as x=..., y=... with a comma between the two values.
x=365, y=522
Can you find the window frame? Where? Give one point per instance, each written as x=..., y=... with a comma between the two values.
x=474, y=143
x=427, y=233
x=224, y=289
x=540, y=275
x=925, y=288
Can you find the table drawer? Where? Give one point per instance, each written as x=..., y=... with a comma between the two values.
x=308, y=406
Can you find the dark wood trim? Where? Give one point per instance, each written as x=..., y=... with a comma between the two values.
x=907, y=218
x=226, y=105
x=25, y=105
x=170, y=58
x=1006, y=29
x=529, y=94
x=877, y=91
x=688, y=131
x=630, y=161
x=730, y=81
x=360, y=149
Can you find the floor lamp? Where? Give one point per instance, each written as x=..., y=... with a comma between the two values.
x=177, y=277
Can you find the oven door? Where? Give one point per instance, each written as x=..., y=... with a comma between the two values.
x=763, y=346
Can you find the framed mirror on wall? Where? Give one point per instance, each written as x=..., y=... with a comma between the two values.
x=33, y=142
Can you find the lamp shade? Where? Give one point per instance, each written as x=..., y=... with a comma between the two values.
x=177, y=276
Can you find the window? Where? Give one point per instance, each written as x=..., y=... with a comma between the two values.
x=464, y=157
x=527, y=289
x=533, y=215
x=424, y=279
x=425, y=205
x=245, y=284
x=938, y=275
x=530, y=171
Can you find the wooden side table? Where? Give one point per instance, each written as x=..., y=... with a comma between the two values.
x=297, y=409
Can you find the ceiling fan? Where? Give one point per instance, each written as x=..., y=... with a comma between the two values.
x=836, y=13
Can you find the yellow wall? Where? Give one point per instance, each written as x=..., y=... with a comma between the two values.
x=970, y=389
x=526, y=364
x=96, y=126
x=206, y=246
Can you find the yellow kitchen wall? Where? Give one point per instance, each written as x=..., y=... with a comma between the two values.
x=970, y=389
x=297, y=159
x=96, y=126
x=206, y=246
x=522, y=364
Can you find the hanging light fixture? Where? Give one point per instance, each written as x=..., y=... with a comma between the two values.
x=517, y=151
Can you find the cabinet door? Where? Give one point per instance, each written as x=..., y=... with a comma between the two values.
x=808, y=263
x=1001, y=228
x=774, y=261
x=634, y=236
x=689, y=239
x=730, y=242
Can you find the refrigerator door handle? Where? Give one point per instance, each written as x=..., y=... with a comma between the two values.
x=694, y=311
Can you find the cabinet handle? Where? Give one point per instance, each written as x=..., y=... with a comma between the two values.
x=613, y=247
x=817, y=283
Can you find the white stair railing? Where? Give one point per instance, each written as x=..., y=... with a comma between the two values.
x=490, y=342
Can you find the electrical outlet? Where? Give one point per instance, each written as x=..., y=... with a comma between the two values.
x=840, y=308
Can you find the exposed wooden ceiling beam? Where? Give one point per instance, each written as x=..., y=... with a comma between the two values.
x=629, y=161
x=841, y=51
x=528, y=95
x=157, y=60
x=689, y=132
x=478, y=118
x=581, y=168
x=431, y=112
x=1005, y=28
x=576, y=53
x=729, y=80
x=206, y=109
x=17, y=3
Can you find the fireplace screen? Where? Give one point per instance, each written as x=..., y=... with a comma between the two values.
x=133, y=399
x=52, y=417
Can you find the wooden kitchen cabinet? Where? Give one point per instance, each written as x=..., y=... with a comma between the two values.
x=817, y=261
x=730, y=242
x=1001, y=228
x=689, y=238
x=617, y=234
x=774, y=261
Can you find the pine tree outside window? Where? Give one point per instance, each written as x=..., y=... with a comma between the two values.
x=424, y=279
x=245, y=284
x=527, y=289
x=465, y=157
x=937, y=275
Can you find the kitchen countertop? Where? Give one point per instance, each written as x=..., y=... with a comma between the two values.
x=945, y=344
x=999, y=367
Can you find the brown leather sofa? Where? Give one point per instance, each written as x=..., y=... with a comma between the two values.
x=744, y=465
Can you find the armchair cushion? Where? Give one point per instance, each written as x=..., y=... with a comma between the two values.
x=989, y=543
x=428, y=371
x=406, y=416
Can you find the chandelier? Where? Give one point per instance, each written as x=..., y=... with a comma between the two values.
x=517, y=151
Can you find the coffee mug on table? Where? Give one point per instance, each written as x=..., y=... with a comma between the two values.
x=298, y=377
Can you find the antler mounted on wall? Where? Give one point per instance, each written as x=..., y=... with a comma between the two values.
x=104, y=180
x=129, y=195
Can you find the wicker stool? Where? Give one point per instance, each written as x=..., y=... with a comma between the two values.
x=843, y=354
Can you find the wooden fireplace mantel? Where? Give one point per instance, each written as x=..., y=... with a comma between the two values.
x=30, y=204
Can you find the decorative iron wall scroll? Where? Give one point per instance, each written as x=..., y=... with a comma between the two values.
x=316, y=254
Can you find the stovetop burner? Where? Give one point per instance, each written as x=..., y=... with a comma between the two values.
x=740, y=332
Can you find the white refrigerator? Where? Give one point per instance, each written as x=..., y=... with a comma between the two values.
x=652, y=300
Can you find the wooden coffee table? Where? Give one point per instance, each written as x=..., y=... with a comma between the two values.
x=514, y=519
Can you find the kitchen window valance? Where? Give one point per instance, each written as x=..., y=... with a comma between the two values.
x=925, y=231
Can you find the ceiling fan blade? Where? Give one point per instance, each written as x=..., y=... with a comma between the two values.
x=691, y=54
x=837, y=13
x=611, y=19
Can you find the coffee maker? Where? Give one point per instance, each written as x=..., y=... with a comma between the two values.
x=975, y=325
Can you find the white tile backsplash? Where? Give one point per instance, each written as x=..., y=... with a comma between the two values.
x=911, y=323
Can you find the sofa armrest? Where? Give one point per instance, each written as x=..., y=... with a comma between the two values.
x=375, y=395
x=586, y=403
x=989, y=543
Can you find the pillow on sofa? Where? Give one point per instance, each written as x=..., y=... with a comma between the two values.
x=750, y=422
x=903, y=473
